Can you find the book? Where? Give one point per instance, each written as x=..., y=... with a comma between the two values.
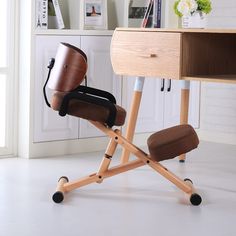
x=136, y=12
x=42, y=14
x=148, y=17
x=52, y=19
x=157, y=13
x=60, y=21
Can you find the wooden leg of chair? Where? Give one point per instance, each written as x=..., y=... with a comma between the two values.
x=143, y=158
x=136, y=100
x=81, y=182
x=107, y=157
x=184, y=108
x=123, y=168
x=109, y=173
x=58, y=196
x=170, y=176
x=185, y=185
x=195, y=199
x=155, y=165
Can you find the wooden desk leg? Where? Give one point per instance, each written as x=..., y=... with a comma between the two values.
x=136, y=100
x=185, y=87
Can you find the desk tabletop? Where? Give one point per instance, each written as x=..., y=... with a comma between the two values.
x=228, y=31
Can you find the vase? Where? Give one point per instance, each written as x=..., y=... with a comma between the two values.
x=195, y=20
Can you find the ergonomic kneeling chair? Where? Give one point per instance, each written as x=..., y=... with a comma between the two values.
x=99, y=107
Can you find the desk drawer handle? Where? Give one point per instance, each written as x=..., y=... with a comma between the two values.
x=152, y=55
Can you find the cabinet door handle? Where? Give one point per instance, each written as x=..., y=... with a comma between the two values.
x=162, y=85
x=169, y=88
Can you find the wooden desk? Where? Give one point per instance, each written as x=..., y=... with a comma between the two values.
x=182, y=54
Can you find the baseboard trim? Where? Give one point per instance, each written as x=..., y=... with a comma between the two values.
x=217, y=137
x=68, y=147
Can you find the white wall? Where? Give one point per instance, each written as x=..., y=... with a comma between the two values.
x=218, y=101
x=223, y=14
x=169, y=17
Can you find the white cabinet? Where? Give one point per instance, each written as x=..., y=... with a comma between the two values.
x=158, y=110
x=151, y=109
x=171, y=93
x=160, y=104
x=48, y=125
x=173, y=100
x=218, y=110
x=100, y=75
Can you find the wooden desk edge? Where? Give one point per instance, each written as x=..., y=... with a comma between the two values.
x=211, y=80
x=229, y=31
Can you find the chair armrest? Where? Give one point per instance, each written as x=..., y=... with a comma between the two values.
x=89, y=99
x=96, y=92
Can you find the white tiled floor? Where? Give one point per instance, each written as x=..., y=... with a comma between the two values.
x=139, y=202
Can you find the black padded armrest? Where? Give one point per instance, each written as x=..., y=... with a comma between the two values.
x=96, y=92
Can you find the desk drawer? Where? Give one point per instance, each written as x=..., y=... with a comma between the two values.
x=148, y=53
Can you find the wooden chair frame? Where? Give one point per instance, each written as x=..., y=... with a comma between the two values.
x=64, y=185
x=71, y=63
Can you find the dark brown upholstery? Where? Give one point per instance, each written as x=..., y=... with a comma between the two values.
x=172, y=142
x=87, y=111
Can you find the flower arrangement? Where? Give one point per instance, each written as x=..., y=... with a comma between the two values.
x=188, y=7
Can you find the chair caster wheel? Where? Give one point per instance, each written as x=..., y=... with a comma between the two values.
x=181, y=161
x=195, y=199
x=58, y=197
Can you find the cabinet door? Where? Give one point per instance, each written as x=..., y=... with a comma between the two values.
x=218, y=113
x=161, y=109
x=173, y=101
x=48, y=125
x=100, y=74
x=150, y=116
x=194, y=104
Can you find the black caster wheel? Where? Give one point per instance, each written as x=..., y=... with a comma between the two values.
x=195, y=199
x=181, y=161
x=58, y=197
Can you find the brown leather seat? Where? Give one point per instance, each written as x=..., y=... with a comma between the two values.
x=88, y=111
x=172, y=142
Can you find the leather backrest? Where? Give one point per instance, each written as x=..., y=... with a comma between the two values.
x=69, y=69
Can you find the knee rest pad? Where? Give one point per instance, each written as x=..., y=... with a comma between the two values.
x=172, y=142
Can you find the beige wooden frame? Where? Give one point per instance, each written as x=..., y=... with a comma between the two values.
x=104, y=171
